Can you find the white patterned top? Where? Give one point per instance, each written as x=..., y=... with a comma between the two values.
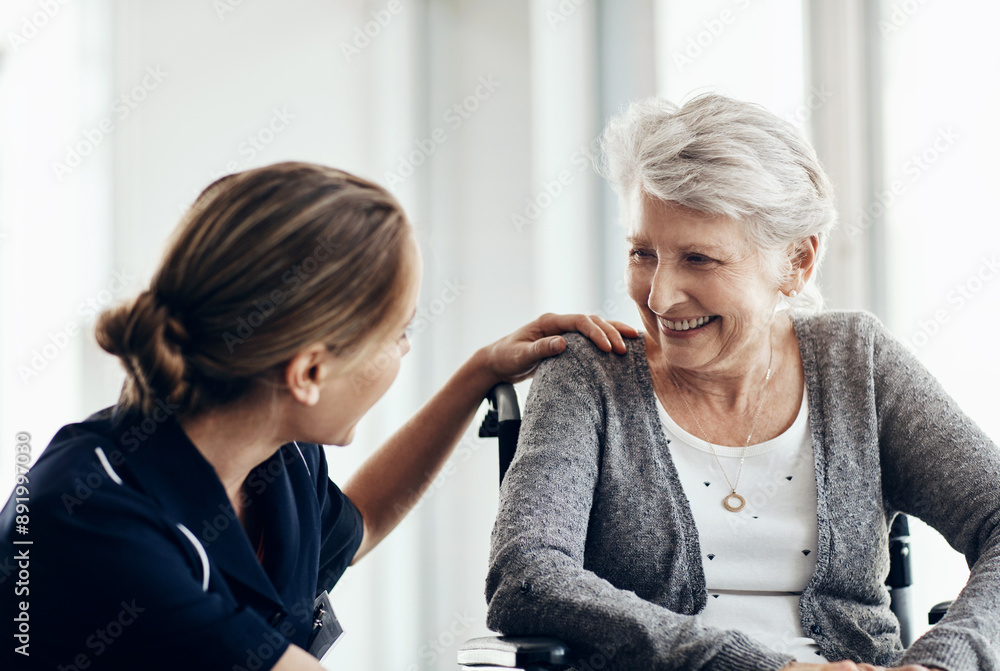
x=756, y=561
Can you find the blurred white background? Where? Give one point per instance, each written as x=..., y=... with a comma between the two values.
x=480, y=116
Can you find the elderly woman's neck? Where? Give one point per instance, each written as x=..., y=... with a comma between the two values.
x=736, y=386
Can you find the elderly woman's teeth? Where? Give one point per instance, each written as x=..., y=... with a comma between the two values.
x=686, y=324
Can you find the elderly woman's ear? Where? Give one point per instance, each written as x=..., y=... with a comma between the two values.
x=803, y=261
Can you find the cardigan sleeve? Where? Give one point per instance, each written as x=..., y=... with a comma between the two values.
x=941, y=467
x=537, y=583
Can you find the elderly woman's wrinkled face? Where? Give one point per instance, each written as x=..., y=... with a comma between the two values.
x=704, y=296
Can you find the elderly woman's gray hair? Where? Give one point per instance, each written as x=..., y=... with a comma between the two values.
x=725, y=157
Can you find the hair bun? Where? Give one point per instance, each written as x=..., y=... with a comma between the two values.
x=149, y=341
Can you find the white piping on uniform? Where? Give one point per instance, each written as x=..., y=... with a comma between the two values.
x=107, y=465
x=303, y=458
x=200, y=549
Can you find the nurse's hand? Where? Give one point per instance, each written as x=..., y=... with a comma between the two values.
x=515, y=357
x=297, y=659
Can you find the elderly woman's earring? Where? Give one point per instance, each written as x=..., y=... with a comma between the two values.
x=793, y=293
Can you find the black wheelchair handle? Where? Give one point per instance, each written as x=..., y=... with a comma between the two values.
x=503, y=398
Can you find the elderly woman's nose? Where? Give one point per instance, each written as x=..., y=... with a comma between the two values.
x=665, y=290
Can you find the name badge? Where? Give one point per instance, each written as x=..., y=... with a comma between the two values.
x=326, y=629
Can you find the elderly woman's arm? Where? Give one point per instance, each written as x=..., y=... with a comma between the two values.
x=939, y=466
x=537, y=583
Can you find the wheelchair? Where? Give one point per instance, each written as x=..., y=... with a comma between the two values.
x=503, y=653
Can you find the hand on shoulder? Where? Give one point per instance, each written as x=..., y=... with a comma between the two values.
x=515, y=357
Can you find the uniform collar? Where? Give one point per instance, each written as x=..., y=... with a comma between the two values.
x=171, y=470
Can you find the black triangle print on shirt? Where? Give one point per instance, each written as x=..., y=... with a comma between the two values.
x=711, y=557
x=707, y=484
x=788, y=477
x=806, y=552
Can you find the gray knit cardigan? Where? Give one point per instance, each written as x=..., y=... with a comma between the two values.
x=595, y=542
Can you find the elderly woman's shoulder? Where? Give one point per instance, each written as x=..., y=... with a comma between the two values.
x=845, y=330
x=582, y=353
x=838, y=322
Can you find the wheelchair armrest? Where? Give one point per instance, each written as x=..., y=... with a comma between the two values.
x=513, y=652
x=937, y=612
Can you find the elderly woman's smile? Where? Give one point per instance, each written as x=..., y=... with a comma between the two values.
x=689, y=324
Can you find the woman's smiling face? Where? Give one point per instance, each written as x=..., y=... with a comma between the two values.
x=701, y=289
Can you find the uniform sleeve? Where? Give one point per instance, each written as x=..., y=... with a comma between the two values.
x=114, y=586
x=342, y=529
x=537, y=584
x=939, y=466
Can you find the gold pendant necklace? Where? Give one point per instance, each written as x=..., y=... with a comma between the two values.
x=732, y=502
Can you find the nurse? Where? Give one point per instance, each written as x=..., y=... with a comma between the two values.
x=193, y=524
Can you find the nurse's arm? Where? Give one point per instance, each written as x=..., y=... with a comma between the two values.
x=390, y=482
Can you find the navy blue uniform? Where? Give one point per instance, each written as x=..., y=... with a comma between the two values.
x=137, y=560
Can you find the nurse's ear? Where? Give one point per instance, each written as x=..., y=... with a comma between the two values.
x=304, y=374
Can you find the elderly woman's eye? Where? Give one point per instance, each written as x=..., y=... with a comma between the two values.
x=699, y=259
x=638, y=253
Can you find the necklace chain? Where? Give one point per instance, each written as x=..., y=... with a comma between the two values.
x=760, y=404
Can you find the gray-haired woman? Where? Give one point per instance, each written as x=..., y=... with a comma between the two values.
x=720, y=498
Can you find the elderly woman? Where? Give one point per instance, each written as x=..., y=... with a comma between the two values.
x=720, y=498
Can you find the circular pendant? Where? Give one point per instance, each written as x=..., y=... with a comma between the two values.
x=734, y=507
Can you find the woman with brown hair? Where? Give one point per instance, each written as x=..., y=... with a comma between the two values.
x=194, y=522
